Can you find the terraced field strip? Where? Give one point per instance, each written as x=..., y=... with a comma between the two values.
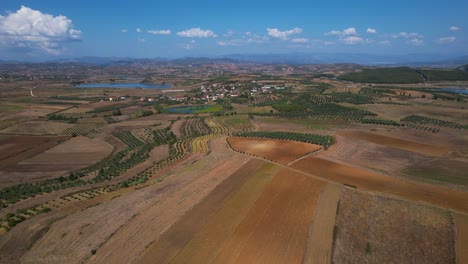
x=201, y=144
x=275, y=228
x=461, y=221
x=216, y=127
x=396, y=143
x=320, y=241
x=175, y=238
x=420, y=192
x=206, y=243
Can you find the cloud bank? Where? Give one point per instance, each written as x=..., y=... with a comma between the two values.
x=196, y=33
x=284, y=35
x=32, y=29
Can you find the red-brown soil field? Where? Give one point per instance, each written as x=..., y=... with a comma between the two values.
x=275, y=228
x=371, y=181
x=281, y=151
x=396, y=143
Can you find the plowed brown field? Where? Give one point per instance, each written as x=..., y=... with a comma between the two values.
x=175, y=239
x=281, y=151
x=275, y=228
x=206, y=243
x=367, y=180
x=396, y=143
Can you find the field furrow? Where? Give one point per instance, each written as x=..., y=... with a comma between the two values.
x=275, y=228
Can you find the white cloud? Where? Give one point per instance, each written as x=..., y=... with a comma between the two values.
x=384, y=43
x=123, y=30
x=229, y=34
x=407, y=35
x=454, y=28
x=329, y=43
x=229, y=43
x=371, y=30
x=299, y=40
x=138, y=30
x=416, y=42
x=284, y=35
x=353, y=40
x=32, y=29
x=447, y=40
x=196, y=33
x=346, y=32
x=160, y=32
x=141, y=40
x=188, y=46
x=248, y=33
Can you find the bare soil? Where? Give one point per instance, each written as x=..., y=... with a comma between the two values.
x=206, y=243
x=360, y=178
x=393, y=142
x=175, y=239
x=281, y=151
x=275, y=228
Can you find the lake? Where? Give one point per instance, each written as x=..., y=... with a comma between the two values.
x=124, y=85
x=451, y=90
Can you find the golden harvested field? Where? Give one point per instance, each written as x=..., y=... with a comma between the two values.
x=396, y=143
x=281, y=151
x=37, y=128
x=375, y=229
x=174, y=239
x=276, y=226
x=134, y=220
x=207, y=242
x=371, y=181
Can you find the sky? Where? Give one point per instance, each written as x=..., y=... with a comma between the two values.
x=50, y=29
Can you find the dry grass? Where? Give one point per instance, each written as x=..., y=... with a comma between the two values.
x=374, y=229
x=37, y=128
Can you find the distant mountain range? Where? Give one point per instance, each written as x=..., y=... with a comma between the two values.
x=412, y=60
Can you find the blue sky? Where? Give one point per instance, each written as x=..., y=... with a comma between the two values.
x=48, y=29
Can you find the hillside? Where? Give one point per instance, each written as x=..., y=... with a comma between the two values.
x=384, y=75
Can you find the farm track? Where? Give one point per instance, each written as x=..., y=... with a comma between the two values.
x=320, y=239
x=461, y=222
